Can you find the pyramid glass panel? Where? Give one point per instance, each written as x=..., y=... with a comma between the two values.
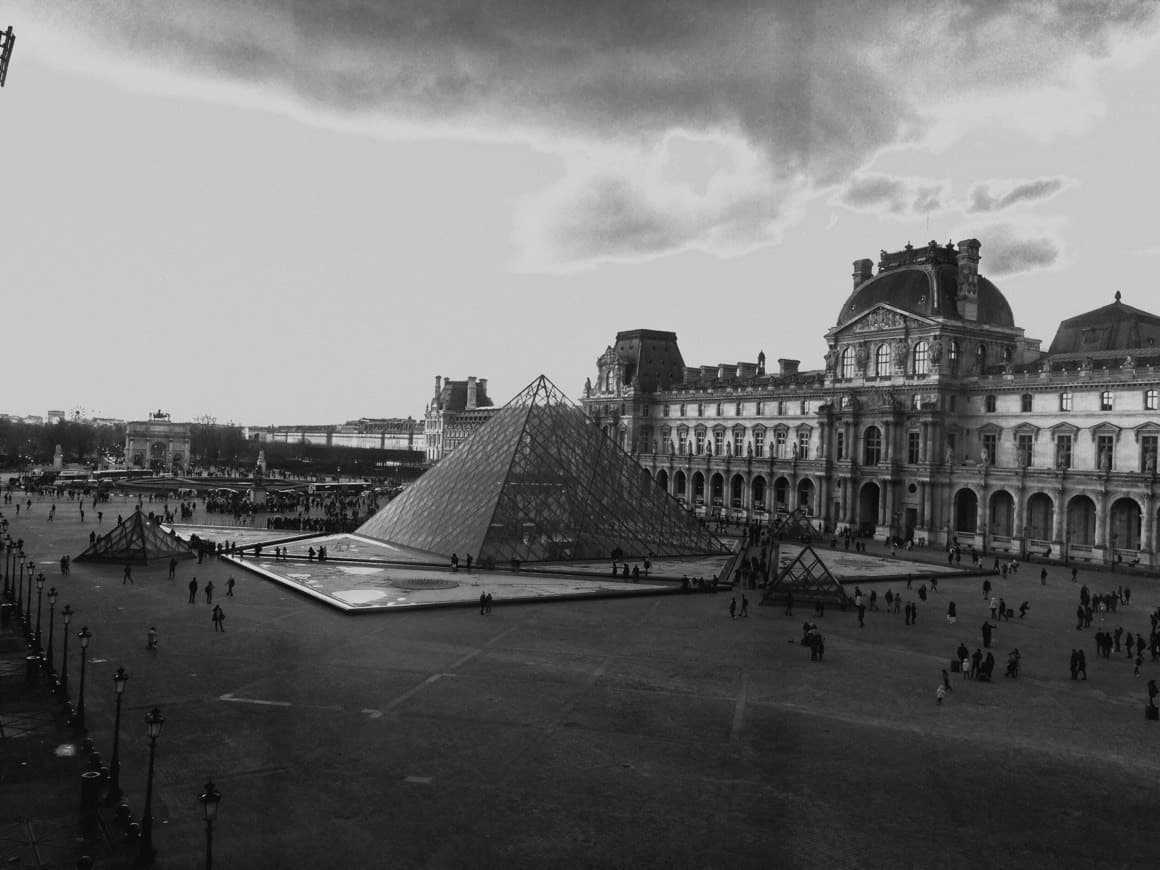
x=137, y=540
x=539, y=482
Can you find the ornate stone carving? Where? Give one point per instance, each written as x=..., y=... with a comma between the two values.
x=880, y=318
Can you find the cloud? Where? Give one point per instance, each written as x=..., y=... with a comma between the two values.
x=996, y=196
x=1008, y=249
x=812, y=89
x=903, y=197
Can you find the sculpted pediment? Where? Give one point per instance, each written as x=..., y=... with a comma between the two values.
x=883, y=317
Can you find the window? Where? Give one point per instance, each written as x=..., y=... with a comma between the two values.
x=738, y=442
x=737, y=410
x=1025, y=403
x=980, y=357
x=989, y=404
x=759, y=442
x=1106, y=400
x=682, y=441
x=912, y=448
x=805, y=408
x=954, y=357
x=1025, y=445
x=1065, y=401
x=872, y=449
x=1152, y=400
x=848, y=363
x=780, y=408
x=760, y=408
x=1106, y=451
x=952, y=446
x=841, y=446
x=952, y=402
x=719, y=412
x=882, y=361
x=682, y=409
x=644, y=440
x=990, y=447
x=916, y=402
x=666, y=410
x=700, y=409
x=921, y=356
x=700, y=441
x=718, y=442
x=1063, y=451
x=779, y=443
x=1148, y=447
x=803, y=443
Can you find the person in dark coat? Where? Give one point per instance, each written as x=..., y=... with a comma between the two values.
x=1074, y=664
x=987, y=629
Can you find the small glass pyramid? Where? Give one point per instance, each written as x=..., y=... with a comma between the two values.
x=136, y=539
x=539, y=482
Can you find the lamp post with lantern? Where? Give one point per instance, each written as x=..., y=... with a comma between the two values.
x=84, y=635
x=39, y=604
x=66, y=616
x=52, y=596
x=120, y=678
x=209, y=807
x=28, y=600
x=153, y=724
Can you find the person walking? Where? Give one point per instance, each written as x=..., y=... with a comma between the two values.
x=209, y=592
x=193, y=591
x=1081, y=663
x=127, y=577
x=487, y=608
x=230, y=587
x=987, y=628
x=151, y=638
x=1043, y=577
x=482, y=604
x=744, y=605
x=733, y=608
x=219, y=618
x=172, y=568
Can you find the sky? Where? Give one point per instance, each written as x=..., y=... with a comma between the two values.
x=281, y=211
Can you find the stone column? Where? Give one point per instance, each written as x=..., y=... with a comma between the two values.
x=1059, y=515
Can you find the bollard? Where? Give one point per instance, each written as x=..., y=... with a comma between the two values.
x=6, y=614
x=90, y=797
x=31, y=671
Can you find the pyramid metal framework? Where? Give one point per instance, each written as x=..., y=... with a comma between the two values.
x=136, y=540
x=808, y=578
x=795, y=524
x=540, y=482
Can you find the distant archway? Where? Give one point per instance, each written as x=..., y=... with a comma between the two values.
x=805, y=493
x=966, y=511
x=679, y=484
x=736, y=488
x=781, y=493
x=1081, y=521
x=868, y=499
x=663, y=480
x=698, y=486
x=717, y=482
x=757, y=493
x=1002, y=517
x=1040, y=517
x=1124, y=524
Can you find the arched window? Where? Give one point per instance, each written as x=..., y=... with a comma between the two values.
x=608, y=380
x=882, y=361
x=980, y=356
x=848, y=363
x=872, y=447
x=921, y=355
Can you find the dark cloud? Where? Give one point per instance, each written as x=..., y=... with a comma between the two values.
x=996, y=196
x=813, y=87
x=1008, y=250
x=898, y=196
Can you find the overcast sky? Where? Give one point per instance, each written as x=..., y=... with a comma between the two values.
x=281, y=212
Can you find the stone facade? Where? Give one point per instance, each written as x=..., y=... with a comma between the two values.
x=454, y=413
x=934, y=418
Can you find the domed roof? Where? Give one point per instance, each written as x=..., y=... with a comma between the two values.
x=928, y=289
x=1112, y=327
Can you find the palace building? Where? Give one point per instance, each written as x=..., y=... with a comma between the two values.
x=935, y=418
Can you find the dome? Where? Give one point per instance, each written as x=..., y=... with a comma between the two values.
x=926, y=288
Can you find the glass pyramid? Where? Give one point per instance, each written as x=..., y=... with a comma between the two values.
x=539, y=482
x=136, y=539
x=808, y=579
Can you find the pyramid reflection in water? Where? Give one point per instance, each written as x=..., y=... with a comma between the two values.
x=539, y=482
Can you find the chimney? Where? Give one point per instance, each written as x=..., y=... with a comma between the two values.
x=438, y=403
x=967, y=299
x=761, y=362
x=481, y=395
x=722, y=371
x=788, y=366
x=863, y=272
x=470, y=406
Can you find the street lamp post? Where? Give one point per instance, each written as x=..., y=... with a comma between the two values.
x=209, y=807
x=52, y=596
x=39, y=603
x=28, y=601
x=66, y=616
x=84, y=635
x=153, y=723
x=8, y=569
x=20, y=586
x=120, y=678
